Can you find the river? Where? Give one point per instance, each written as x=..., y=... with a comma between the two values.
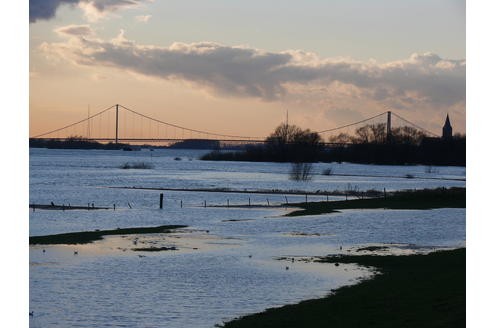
x=227, y=263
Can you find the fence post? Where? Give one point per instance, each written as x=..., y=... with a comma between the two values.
x=161, y=200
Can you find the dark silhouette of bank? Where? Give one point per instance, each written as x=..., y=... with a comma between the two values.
x=371, y=144
x=78, y=142
x=74, y=142
x=196, y=144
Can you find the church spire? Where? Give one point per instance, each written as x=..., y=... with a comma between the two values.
x=447, y=129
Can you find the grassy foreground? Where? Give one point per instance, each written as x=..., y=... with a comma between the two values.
x=411, y=291
x=417, y=199
x=85, y=237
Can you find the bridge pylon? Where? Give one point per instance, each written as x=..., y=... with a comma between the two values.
x=389, y=126
x=116, y=123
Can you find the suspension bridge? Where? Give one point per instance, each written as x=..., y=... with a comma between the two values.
x=121, y=124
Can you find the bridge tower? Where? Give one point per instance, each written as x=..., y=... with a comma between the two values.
x=389, y=126
x=117, y=124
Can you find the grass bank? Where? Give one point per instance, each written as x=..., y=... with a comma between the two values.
x=417, y=199
x=410, y=291
x=85, y=237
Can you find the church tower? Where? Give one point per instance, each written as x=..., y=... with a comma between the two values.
x=447, y=129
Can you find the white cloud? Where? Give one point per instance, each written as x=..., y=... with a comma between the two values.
x=75, y=30
x=239, y=71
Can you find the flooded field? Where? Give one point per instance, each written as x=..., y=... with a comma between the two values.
x=226, y=263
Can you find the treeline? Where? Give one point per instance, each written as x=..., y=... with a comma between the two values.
x=288, y=143
x=371, y=145
x=431, y=151
x=74, y=142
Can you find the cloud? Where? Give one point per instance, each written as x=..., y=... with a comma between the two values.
x=93, y=9
x=75, y=30
x=248, y=72
x=143, y=18
x=343, y=115
x=45, y=9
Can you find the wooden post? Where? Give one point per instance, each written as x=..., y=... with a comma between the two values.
x=114, y=207
x=268, y=202
x=327, y=197
x=306, y=198
x=228, y=205
x=161, y=200
x=249, y=201
x=205, y=202
x=181, y=203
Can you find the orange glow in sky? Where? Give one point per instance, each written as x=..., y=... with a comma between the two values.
x=237, y=68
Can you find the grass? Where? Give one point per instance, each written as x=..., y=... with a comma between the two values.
x=419, y=199
x=410, y=291
x=85, y=237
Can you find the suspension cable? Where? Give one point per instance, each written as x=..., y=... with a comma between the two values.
x=351, y=124
x=181, y=127
x=416, y=126
x=68, y=126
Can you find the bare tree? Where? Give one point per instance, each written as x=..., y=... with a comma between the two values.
x=341, y=138
x=301, y=171
x=291, y=143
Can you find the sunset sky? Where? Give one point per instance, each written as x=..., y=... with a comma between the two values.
x=236, y=67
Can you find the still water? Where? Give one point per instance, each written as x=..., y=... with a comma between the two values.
x=227, y=261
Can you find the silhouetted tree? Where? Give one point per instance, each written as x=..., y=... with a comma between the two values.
x=290, y=143
x=371, y=133
x=341, y=138
x=407, y=135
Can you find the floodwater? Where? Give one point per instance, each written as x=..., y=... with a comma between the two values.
x=227, y=260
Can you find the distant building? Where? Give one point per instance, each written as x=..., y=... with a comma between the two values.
x=447, y=129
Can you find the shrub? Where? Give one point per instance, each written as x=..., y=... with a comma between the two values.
x=328, y=171
x=301, y=171
x=138, y=165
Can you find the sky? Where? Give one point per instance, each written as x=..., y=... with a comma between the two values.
x=237, y=67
